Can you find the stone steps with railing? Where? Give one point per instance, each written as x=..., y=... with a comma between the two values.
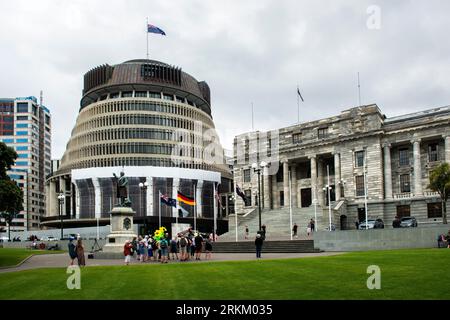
x=277, y=223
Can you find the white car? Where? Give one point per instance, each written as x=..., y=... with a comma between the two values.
x=50, y=238
x=4, y=239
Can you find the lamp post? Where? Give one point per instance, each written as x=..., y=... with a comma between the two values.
x=61, y=198
x=143, y=186
x=328, y=189
x=257, y=169
x=232, y=198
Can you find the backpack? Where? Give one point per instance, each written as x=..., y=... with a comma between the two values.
x=163, y=244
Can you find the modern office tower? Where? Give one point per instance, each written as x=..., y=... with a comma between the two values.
x=25, y=125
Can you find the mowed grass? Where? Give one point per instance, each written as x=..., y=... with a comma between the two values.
x=405, y=274
x=12, y=256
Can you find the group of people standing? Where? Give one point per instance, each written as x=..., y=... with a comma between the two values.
x=76, y=251
x=181, y=248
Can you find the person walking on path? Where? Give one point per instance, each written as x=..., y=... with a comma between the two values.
x=308, y=229
x=294, y=230
x=72, y=251
x=263, y=227
x=357, y=223
x=80, y=253
x=208, y=249
x=198, y=246
x=127, y=251
x=258, y=245
x=174, y=249
x=164, y=246
x=246, y=233
x=192, y=247
x=183, y=246
x=313, y=225
x=134, y=248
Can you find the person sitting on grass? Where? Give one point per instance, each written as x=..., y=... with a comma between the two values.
x=127, y=251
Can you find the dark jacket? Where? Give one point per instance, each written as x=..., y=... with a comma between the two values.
x=259, y=242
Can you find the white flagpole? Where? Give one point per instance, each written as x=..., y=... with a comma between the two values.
x=146, y=31
x=195, y=207
x=365, y=190
x=290, y=204
x=215, y=212
x=329, y=197
x=298, y=105
x=235, y=213
x=315, y=211
x=159, y=208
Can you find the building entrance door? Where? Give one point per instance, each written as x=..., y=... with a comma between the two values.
x=306, y=197
x=361, y=214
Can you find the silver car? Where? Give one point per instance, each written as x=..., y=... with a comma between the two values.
x=408, y=222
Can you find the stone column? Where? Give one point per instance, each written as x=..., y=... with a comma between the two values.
x=294, y=185
x=175, y=188
x=387, y=172
x=320, y=192
x=267, y=189
x=275, y=193
x=198, y=199
x=337, y=176
x=417, y=169
x=313, y=178
x=77, y=201
x=447, y=149
x=62, y=189
x=286, y=182
x=98, y=198
x=53, y=199
x=150, y=197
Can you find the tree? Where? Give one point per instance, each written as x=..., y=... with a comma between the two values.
x=440, y=182
x=11, y=196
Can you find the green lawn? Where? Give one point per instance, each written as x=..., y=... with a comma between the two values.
x=405, y=274
x=11, y=256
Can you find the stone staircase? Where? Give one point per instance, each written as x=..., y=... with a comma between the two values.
x=285, y=246
x=277, y=222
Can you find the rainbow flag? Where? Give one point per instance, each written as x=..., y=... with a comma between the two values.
x=185, y=199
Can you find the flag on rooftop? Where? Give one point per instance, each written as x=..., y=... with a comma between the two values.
x=299, y=94
x=154, y=29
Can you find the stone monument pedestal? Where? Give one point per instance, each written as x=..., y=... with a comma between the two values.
x=121, y=231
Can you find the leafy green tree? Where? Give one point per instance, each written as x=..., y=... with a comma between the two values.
x=440, y=182
x=11, y=196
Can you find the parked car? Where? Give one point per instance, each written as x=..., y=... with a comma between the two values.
x=4, y=239
x=372, y=224
x=408, y=222
x=49, y=238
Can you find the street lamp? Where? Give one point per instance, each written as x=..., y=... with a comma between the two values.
x=61, y=198
x=143, y=186
x=232, y=198
x=328, y=189
x=257, y=168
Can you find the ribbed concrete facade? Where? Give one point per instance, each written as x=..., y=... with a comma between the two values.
x=140, y=114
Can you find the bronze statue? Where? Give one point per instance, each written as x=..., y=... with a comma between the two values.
x=122, y=193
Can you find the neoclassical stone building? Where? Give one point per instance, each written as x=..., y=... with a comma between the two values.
x=153, y=121
x=394, y=155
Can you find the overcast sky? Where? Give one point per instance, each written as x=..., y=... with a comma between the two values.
x=247, y=51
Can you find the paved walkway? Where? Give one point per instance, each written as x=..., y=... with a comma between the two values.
x=62, y=260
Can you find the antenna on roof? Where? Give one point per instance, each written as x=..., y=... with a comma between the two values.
x=359, y=92
x=253, y=122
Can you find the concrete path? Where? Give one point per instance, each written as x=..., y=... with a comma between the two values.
x=62, y=260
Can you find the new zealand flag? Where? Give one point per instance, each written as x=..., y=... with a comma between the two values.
x=168, y=201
